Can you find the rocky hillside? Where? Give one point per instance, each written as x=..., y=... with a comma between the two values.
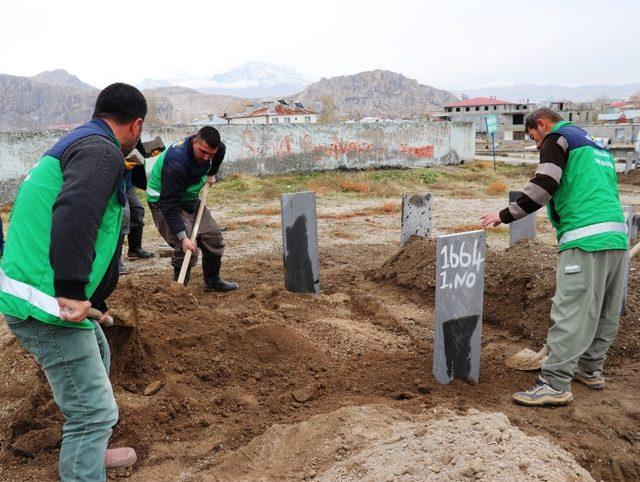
x=62, y=78
x=26, y=103
x=377, y=92
x=181, y=104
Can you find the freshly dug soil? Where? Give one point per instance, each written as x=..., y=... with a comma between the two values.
x=376, y=442
x=519, y=284
x=198, y=376
x=632, y=177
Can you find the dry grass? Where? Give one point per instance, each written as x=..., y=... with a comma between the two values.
x=386, y=208
x=349, y=185
x=320, y=186
x=462, y=193
x=270, y=191
x=463, y=228
x=266, y=211
x=389, y=207
x=496, y=188
x=481, y=166
x=343, y=234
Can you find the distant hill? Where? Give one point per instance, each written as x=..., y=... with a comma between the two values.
x=187, y=105
x=26, y=103
x=56, y=99
x=547, y=93
x=374, y=93
x=61, y=78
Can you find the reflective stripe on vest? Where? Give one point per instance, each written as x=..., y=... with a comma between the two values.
x=599, y=228
x=29, y=294
x=152, y=192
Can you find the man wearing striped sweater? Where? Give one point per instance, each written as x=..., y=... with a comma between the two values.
x=576, y=179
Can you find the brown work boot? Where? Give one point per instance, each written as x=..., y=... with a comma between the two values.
x=120, y=457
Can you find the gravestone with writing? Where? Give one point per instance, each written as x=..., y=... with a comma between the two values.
x=416, y=216
x=458, y=315
x=635, y=226
x=300, y=242
x=628, y=217
x=524, y=228
x=629, y=162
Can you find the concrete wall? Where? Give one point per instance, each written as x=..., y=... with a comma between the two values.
x=618, y=133
x=259, y=149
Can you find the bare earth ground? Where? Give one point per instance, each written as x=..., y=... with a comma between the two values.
x=262, y=384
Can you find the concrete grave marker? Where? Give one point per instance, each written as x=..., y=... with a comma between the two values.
x=300, y=242
x=458, y=315
x=524, y=228
x=635, y=226
x=628, y=218
x=416, y=216
x=629, y=162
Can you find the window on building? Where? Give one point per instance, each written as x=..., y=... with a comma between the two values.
x=466, y=109
x=518, y=119
x=307, y=119
x=477, y=107
x=287, y=120
x=570, y=116
x=275, y=120
x=518, y=135
x=495, y=107
x=486, y=107
x=525, y=107
x=457, y=109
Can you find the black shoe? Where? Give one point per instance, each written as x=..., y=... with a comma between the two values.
x=135, y=244
x=122, y=268
x=176, y=274
x=211, y=270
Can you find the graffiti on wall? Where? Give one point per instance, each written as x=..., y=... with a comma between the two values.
x=418, y=151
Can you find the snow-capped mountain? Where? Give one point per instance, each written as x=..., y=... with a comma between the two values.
x=253, y=79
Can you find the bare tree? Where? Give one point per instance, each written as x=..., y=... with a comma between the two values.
x=328, y=110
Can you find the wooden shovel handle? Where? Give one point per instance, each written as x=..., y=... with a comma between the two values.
x=194, y=234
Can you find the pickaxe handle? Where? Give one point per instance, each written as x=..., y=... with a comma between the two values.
x=194, y=234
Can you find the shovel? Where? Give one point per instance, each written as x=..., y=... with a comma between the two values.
x=528, y=360
x=194, y=234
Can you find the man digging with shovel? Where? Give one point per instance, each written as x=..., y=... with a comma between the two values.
x=577, y=180
x=60, y=260
x=176, y=180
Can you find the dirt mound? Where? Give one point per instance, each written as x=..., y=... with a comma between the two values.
x=519, y=284
x=632, y=177
x=200, y=375
x=381, y=443
x=413, y=266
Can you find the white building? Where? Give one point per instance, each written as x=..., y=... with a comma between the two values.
x=276, y=112
x=510, y=115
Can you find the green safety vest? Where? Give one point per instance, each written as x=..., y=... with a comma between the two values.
x=26, y=274
x=154, y=184
x=586, y=210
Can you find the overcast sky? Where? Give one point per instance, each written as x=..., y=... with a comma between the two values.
x=450, y=44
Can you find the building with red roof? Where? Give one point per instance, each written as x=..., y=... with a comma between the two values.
x=276, y=112
x=510, y=115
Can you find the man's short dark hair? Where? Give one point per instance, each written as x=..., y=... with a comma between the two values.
x=543, y=113
x=122, y=103
x=210, y=135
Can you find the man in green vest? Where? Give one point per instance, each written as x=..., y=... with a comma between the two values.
x=175, y=182
x=60, y=260
x=576, y=179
